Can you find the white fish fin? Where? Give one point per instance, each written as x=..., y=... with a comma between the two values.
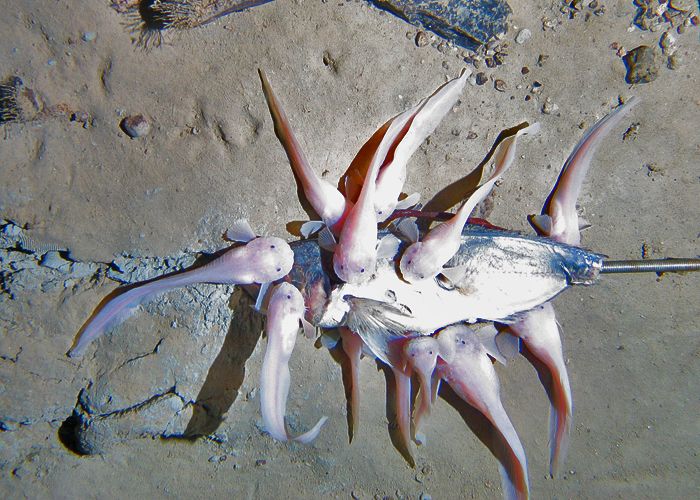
x=454, y=274
x=312, y=433
x=378, y=324
x=326, y=240
x=241, y=231
x=508, y=345
x=541, y=223
x=509, y=491
x=264, y=287
x=408, y=202
x=409, y=229
x=435, y=386
x=487, y=338
x=388, y=246
x=309, y=329
x=310, y=227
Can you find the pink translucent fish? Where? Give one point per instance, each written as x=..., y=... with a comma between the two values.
x=285, y=313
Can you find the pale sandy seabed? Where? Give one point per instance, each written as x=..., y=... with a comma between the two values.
x=633, y=342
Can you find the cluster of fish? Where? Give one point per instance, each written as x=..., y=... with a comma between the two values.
x=403, y=295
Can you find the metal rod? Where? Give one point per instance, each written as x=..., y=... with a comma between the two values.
x=650, y=266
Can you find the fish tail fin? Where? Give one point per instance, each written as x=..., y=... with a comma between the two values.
x=560, y=418
x=312, y=433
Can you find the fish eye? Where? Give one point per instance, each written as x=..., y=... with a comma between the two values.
x=279, y=269
x=362, y=270
x=430, y=352
x=289, y=297
x=272, y=246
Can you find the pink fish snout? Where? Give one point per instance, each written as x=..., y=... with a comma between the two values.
x=270, y=259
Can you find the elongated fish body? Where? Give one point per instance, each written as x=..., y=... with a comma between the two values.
x=538, y=328
x=559, y=219
x=284, y=314
x=355, y=255
x=430, y=113
x=424, y=259
x=470, y=373
x=262, y=260
x=325, y=199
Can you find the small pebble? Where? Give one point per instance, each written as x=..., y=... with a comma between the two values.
x=523, y=36
x=500, y=85
x=472, y=135
x=542, y=59
x=422, y=39
x=481, y=78
x=136, y=126
x=642, y=65
x=549, y=107
x=536, y=87
x=260, y=462
x=89, y=36
x=51, y=62
x=524, y=70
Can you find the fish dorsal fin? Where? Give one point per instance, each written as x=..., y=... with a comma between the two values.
x=310, y=227
x=388, y=246
x=508, y=345
x=264, y=287
x=486, y=336
x=241, y=231
x=454, y=274
x=409, y=201
x=326, y=240
x=541, y=223
x=409, y=229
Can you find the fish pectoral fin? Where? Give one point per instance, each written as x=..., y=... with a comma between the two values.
x=388, y=246
x=264, y=287
x=488, y=337
x=309, y=329
x=326, y=240
x=454, y=274
x=310, y=227
x=379, y=324
x=541, y=223
x=409, y=229
x=241, y=231
x=409, y=201
x=508, y=345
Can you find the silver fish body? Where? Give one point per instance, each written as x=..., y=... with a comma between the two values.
x=504, y=273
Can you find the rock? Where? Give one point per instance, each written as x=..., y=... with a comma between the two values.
x=89, y=36
x=468, y=24
x=523, y=36
x=53, y=260
x=481, y=78
x=136, y=126
x=642, y=65
x=422, y=39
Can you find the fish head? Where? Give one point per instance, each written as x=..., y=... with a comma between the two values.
x=270, y=258
x=414, y=266
x=421, y=354
x=287, y=299
x=456, y=339
x=354, y=267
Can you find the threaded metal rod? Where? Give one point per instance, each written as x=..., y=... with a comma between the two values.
x=650, y=266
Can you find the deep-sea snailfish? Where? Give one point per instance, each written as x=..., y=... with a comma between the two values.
x=285, y=312
x=260, y=260
x=425, y=259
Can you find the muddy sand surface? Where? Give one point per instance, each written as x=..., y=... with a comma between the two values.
x=127, y=209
